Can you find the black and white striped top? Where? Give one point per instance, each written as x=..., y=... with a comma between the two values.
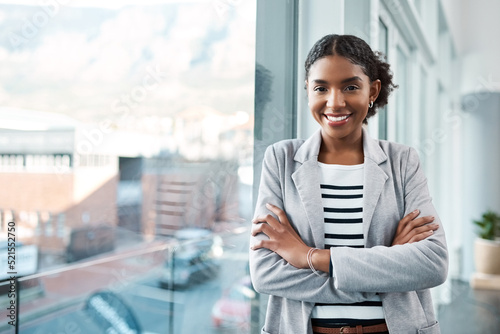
x=342, y=197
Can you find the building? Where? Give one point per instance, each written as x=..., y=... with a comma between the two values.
x=50, y=188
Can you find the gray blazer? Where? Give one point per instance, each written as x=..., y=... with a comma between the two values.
x=402, y=275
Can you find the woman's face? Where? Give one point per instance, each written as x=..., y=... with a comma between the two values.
x=339, y=94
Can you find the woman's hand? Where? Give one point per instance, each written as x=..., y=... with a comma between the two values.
x=283, y=239
x=412, y=229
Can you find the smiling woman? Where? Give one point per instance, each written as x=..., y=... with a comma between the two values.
x=345, y=232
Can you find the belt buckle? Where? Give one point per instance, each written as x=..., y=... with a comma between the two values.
x=342, y=329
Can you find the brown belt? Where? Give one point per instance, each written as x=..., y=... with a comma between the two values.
x=354, y=330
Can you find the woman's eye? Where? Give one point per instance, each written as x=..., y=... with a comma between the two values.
x=320, y=89
x=351, y=88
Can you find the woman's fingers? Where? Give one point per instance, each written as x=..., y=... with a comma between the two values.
x=260, y=227
x=277, y=224
x=422, y=232
x=269, y=219
x=263, y=244
x=407, y=219
x=417, y=222
x=279, y=213
x=284, y=222
x=410, y=221
x=411, y=229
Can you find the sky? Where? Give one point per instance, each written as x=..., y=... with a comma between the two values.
x=108, y=58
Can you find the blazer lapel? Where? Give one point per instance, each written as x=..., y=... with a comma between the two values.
x=375, y=179
x=307, y=179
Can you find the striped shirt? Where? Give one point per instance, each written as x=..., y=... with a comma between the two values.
x=342, y=197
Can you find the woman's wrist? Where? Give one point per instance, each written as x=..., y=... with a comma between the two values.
x=309, y=260
x=320, y=260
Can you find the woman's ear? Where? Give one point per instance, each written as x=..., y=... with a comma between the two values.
x=375, y=87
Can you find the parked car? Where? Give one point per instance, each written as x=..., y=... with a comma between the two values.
x=232, y=310
x=194, y=260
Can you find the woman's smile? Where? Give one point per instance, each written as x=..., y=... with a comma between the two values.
x=337, y=120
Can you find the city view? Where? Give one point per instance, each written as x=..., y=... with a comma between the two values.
x=126, y=147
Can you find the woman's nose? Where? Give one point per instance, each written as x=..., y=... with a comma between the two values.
x=335, y=100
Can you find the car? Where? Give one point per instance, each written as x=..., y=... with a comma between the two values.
x=232, y=310
x=194, y=260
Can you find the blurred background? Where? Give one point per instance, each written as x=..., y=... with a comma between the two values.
x=132, y=134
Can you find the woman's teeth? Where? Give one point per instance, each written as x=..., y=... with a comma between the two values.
x=336, y=119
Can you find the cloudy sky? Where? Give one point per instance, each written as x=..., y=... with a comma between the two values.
x=108, y=58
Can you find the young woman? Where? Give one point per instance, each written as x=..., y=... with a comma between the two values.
x=345, y=236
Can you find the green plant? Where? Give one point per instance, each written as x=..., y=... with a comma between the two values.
x=489, y=225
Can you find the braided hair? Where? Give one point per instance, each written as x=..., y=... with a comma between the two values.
x=358, y=52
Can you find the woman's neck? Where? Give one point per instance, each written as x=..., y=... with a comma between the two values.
x=344, y=151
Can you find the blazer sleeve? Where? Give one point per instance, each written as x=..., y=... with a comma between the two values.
x=274, y=276
x=400, y=268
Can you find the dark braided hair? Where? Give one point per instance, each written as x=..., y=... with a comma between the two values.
x=357, y=52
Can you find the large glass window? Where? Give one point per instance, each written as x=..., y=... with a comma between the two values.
x=126, y=148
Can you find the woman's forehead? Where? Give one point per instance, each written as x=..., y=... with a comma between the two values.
x=336, y=68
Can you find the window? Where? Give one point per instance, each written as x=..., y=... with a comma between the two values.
x=423, y=111
x=127, y=145
x=384, y=48
x=402, y=105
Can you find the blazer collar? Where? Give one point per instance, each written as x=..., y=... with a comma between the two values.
x=372, y=150
x=310, y=148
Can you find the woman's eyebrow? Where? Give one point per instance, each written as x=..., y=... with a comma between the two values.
x=323, y=82
x=355, y=78
x=320, y=81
